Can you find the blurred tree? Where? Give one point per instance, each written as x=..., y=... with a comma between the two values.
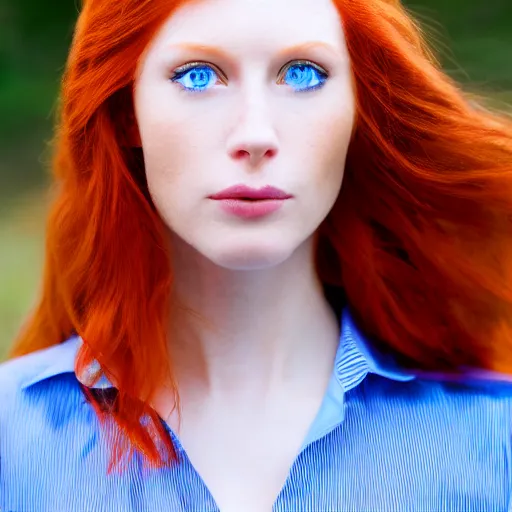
x=33, y=43
x=478, y=35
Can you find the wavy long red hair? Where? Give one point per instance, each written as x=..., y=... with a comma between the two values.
x=419, y=238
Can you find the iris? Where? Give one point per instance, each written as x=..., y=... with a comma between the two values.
x=197, y=78
x=304, y=77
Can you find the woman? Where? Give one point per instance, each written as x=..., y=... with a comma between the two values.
x=278, y=271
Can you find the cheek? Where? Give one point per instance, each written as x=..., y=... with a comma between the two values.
x=321, y=133
x=164, y=159
x=167, y=155
x=160, y=137
x=163, y=134
x=176, y=160
x=331, y=141
x=175, y=145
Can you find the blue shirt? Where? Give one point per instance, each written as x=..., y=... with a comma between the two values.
x=384, y=439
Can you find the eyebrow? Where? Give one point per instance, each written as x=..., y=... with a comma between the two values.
x=298, y=48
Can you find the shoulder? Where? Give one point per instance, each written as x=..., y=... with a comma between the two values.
x=28, y=381
x=452, y=390
x=477, y=388
x=481, y=407
x=466, y=419
x=40, y=398
x=21, y=372
x=49, y=433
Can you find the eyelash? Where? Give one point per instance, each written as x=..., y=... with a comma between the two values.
x=181, y=71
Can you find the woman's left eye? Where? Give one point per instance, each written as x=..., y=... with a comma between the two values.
x=303, y=76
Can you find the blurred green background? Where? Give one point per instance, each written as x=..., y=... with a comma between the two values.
x=473, y=38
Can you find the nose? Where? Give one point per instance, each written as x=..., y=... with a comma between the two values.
x=254, y=138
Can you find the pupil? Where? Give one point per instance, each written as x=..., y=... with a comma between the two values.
x=198, y=76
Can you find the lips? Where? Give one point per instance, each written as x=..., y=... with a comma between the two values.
x=251, y=194
x=251, y=203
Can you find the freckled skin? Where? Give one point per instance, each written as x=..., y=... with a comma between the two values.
x=252, y=128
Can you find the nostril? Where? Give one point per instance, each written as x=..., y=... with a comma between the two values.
x=241, y=154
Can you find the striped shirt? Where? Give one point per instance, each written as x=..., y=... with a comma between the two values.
x=384, y=439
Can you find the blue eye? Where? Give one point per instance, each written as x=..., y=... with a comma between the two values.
x=304, y=77
x=196, y=78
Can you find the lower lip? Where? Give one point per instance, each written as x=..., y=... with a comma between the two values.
x=251, y=209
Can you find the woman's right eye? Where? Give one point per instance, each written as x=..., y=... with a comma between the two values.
x=196, y=77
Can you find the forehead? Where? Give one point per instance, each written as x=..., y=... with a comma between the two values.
x=256, y=24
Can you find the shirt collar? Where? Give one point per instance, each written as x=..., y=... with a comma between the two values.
x=355, y=358
x=60, y=359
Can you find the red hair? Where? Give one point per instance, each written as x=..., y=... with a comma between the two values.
x=419, y=238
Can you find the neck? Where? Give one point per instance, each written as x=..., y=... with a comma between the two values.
x=251, y=331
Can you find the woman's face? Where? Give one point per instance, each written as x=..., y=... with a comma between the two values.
x=246, y=92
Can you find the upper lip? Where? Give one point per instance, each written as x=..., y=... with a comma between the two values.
x=245, y=192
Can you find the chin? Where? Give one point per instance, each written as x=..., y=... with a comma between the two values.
x=249, y=257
